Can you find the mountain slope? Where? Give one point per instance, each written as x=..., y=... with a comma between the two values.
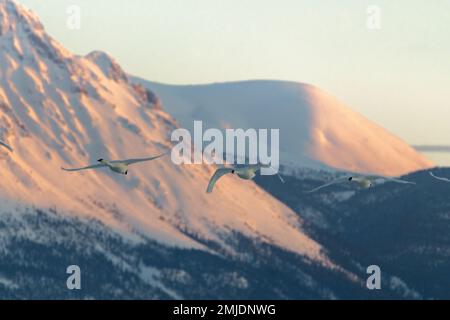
x=315, y=129
x=154, y=234
x=404, y=229
x=58, y=108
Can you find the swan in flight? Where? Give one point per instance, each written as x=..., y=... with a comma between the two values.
x=362, y=180
x=246, y=172
x=117, y=166
x=439, y=178
x=6, y=146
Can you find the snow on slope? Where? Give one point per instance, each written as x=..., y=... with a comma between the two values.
x=60, y=109
x=315, y=128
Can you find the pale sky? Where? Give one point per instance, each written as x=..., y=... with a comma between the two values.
x=397, y=76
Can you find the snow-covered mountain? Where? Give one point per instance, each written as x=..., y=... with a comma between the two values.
x=56, y=109
x=155, y=233
x=61, y=109
x=316, y=130
x=403, y=229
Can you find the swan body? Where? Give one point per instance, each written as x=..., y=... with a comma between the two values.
x=118, y=167
x=246, y=173
x=363, y=182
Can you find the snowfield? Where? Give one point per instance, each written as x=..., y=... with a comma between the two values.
x=61, y=109
x=155, y=233
x=316, y=130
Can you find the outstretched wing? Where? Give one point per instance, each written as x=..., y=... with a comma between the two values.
x=340, y=180
x=217, y=175
x=262, y=165
x=391, y=179
x=439, y=178
x=95, y=166
x=281, y=178
x=6, y=146
x=400, y=181
x=132, y=161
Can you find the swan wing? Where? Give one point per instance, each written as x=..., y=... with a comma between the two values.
x=132, y=161
x=268, y=166
x=216, y=176
x=391, y=179
x=95, y=166
x=439, y=178
x=337, y=181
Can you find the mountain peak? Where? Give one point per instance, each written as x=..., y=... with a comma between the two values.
x=58, y=108
x=316, y=130
x=13, y=15
x=108, y=65
x=23, y=36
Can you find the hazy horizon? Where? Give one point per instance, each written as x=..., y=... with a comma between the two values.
x=396, y=75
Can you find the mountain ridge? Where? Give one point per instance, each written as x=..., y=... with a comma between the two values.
x=316, y=129
x=154, y=234
x=63, y=109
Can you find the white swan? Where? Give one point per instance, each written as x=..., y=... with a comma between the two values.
x=246, y=172
x=6, y=146
x=362, y=180
x=117, y=166
x=439, y=178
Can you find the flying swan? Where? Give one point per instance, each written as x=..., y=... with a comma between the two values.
x=439, y=178
x=6, y=146
x=362, y=180
x=246, y=172
x=117, y=166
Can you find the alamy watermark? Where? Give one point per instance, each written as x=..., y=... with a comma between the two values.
x=74, y=280
x=374, y=280
x=236, y=146
x=373, y=21
x=73, y=21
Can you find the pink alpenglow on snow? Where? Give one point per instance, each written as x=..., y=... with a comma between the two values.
x=316, y=130
x=57, y=107
x=4, y=145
